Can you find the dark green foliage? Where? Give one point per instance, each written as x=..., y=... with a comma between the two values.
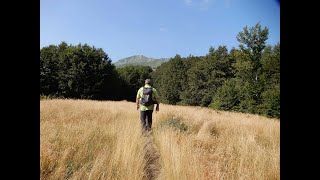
x=271, y=65
x=253, y=41
x=187, y=95
x=245, y=79
x=194, y=80
x=49, y=66
x=270, y=61
x=198, y=87
x=271, y=102
x=256, y=76
x=226, y=97
x=77, y=72
x=133, y=77
x=176, y=124
x=170, y=78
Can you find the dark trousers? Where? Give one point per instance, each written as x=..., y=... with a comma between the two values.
x=146, y=119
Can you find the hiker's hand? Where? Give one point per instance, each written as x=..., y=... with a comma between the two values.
x=137, y=107
x=157, y=108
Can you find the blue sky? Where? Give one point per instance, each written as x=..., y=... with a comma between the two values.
x=154, y=28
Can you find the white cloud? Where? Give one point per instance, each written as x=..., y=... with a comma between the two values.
x=204, y=5
x=188, y=2
x=163, y=29
x=203, y=8
x=200, y=4
x=227, y=3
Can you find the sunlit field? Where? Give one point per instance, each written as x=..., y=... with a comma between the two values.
x=85, y=139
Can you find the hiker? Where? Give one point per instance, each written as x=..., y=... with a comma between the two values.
x=147, y=96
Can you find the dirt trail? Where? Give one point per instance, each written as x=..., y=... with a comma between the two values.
x=152, y=158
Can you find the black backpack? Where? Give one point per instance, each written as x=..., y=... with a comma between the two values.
x=146, y=98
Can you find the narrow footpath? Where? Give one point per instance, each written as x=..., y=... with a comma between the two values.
x=152, y=158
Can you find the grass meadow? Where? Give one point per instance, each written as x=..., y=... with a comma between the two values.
x=86, y=139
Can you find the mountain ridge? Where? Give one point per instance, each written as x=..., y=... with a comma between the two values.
x=140, y=60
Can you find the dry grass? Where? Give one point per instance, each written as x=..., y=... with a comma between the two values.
x=83, y=139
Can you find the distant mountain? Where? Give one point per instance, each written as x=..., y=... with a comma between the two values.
x=140, y=60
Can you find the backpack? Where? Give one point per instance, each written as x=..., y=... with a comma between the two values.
x=146, y=98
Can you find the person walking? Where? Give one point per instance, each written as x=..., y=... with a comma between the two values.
x=147, y=96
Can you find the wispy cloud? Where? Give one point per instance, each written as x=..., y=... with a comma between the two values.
x=200, y=4
x=204, y=5
x=188, y=2
x=163, y=28
x=227, y=3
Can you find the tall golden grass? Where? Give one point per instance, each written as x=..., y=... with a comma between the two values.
x=84, y=139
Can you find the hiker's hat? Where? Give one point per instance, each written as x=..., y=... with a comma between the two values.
x=148, y=81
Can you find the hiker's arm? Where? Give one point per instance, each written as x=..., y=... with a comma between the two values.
x=158, y=102
x=137, y=102
x=157, y=99
x=138, y=98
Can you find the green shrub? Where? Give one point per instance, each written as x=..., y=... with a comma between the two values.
x=226, y=97
x=176, y=124
x=271, y=102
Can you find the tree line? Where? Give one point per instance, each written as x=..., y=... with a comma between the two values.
x=246, y=79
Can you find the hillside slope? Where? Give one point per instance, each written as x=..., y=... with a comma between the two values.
x=86, y=139
x=140, y=60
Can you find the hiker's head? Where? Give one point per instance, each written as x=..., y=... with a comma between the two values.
x=148, y=81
